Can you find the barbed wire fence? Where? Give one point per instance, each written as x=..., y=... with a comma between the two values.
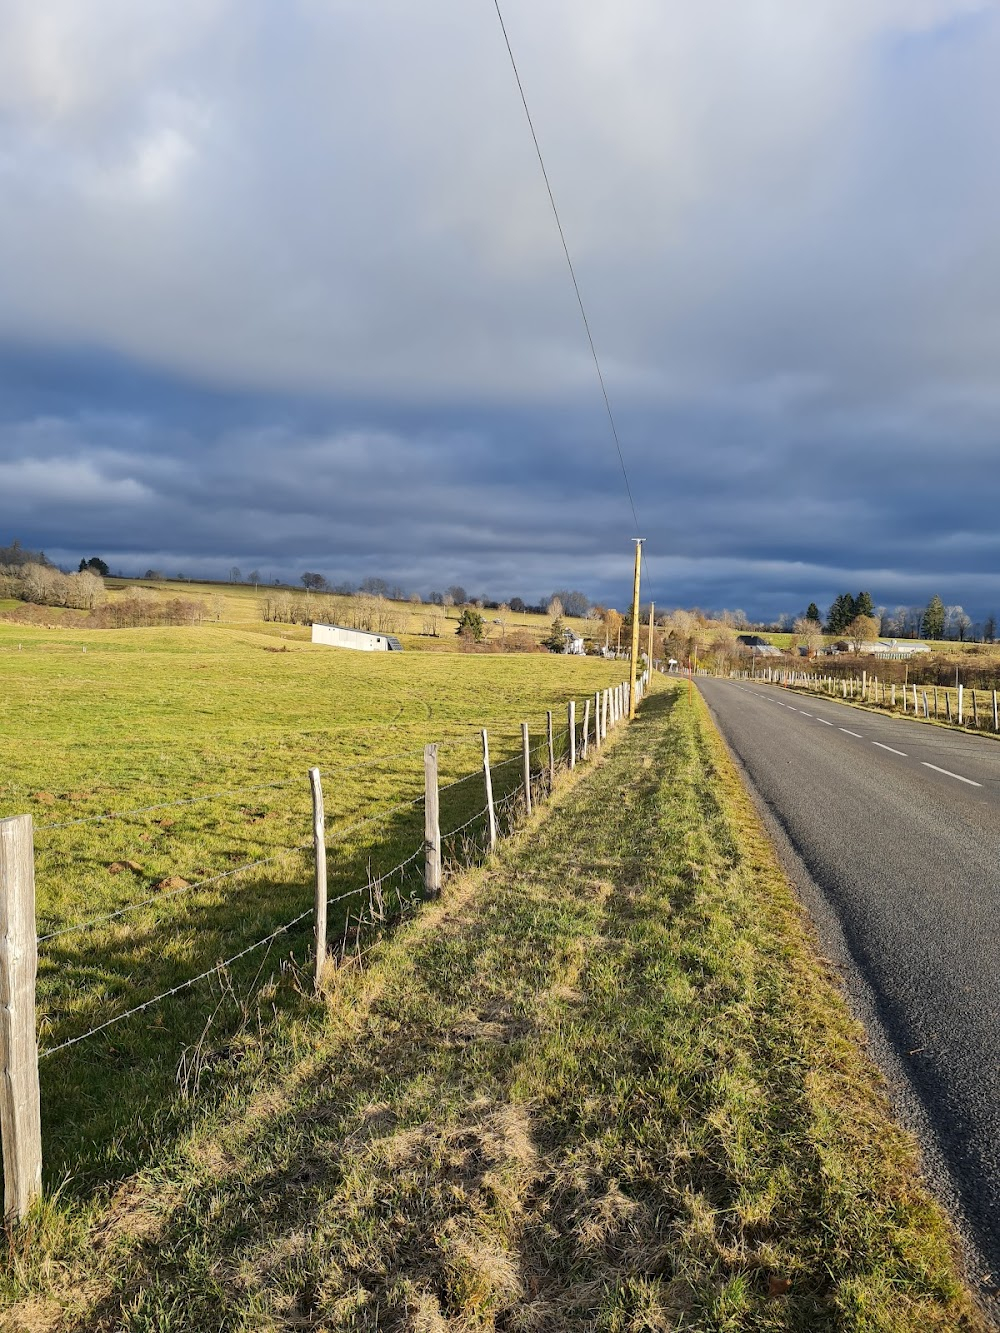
x=346, y=917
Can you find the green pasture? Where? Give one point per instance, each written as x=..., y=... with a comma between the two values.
x=156, y=759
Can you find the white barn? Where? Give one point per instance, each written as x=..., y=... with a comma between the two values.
x=339, y=636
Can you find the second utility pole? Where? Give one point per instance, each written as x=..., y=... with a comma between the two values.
x=635, y=626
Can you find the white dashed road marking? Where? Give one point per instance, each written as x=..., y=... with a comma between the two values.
x=948, y=774
x=901, y=753
x=856, y=734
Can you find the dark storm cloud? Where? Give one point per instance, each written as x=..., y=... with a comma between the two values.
x=281, y=290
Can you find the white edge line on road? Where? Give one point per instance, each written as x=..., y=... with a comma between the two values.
x=901, y=753
x=856, y=734
x=949, y=774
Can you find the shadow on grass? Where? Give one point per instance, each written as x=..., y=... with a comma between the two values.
x=117, y=1097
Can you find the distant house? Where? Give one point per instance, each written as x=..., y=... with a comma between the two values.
x=574, y=644
x=339, y=636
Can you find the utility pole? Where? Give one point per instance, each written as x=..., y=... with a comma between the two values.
x=635, y=625
x=649, y=651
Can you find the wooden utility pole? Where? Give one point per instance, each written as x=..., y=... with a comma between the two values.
x=635, y=626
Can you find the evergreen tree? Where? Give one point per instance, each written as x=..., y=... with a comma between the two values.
x=842, y=612
x=812, y=613
x=932, y=626
x=863, y=605
x=470, y=625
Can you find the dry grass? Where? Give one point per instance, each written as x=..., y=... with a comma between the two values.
x=606, y=1086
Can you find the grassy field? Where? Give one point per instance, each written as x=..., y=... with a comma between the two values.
x=215, y=728
x=240, y=605
x=605, y=1084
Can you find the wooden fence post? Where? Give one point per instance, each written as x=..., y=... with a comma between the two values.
x=571, y=731
x=432, y=823
x=20, y=1105
x=488, y=781
x=319, y=847
x=597, y=719
x=961, y=705
x=586, y=728
x=526, y=765
x=926, y=709
x=996, y=714
x=975, y=710
x=552, y=750
x=947, y=705
x=935, y=701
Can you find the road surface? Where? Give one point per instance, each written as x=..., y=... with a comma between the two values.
x=892, y=829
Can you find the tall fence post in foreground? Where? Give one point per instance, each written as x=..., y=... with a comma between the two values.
x=961, y=705
x=319, y=847
x=20, y=1106
x=432, y=824
x=488, y=780
x=586, y=728
x=552, y=749
x=996, y=714
x=526, y=762
x=571, y=726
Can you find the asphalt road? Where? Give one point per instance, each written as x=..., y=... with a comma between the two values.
x=896, y=824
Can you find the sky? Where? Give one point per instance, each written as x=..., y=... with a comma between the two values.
x=280, y=288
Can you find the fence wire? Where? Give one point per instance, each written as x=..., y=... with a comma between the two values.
x=503, y=804
x=172, y=893
x=174, y=990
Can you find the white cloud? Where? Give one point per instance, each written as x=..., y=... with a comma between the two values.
x=34, y=481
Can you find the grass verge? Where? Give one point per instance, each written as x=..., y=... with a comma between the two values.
x=605, y=1084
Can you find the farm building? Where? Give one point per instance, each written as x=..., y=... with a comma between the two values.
x=339, y=636
x=899, y=648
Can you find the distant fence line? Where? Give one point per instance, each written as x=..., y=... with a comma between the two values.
x=20, y=1098
x=960, y=705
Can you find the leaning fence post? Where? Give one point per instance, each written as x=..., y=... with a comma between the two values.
x=20, y=1106
x=571, y=726
x=319, y=846
x=552, y=749
x=488, y=780
x=586, y=728
x=526, y=763
x=432, y=823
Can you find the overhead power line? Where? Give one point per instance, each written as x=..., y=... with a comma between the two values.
x=572, y=274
